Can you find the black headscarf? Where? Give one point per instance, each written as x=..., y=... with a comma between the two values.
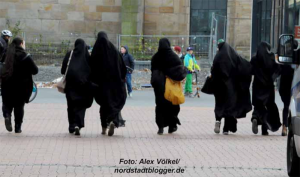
x=264, y=65
x=106, y=61
x=168, y=62
x=79, y=70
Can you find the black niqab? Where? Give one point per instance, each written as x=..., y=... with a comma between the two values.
x=168, y=62
x=79, y=71
x=106, y=61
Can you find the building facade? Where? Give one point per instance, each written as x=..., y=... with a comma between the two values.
x=63, y=19
x=271, y=18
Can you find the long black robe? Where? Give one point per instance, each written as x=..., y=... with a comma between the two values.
x=78, y=76
x=265, y=71
x=166, y=63
x=78, y=85
x=231, y=77
x=108, y=75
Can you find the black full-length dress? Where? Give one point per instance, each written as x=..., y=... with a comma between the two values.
x=78, y=85
x=17, y=88
x=265, y=71
x=231, y=78
x=165, y=63
x=108, y=76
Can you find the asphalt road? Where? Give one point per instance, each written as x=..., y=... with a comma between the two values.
x=140, y=98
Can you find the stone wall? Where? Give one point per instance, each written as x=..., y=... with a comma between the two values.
x=239, y=13
x=167, y=17
x=72, y=19
x=63, y=18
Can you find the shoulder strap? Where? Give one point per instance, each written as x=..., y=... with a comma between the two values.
x=69, y=62
x=27, y=55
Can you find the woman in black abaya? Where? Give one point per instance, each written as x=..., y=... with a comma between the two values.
x=231, y=78
x=77, y=85
x=108, y=77
x=265, y=71
x=165, y=63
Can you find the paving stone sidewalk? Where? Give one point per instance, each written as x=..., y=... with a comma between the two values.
x=45, y=148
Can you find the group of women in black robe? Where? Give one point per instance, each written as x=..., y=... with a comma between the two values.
x=231, y=78
x=100, y=76
x=104, y=73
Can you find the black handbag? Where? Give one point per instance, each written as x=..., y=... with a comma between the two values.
x=208, y=87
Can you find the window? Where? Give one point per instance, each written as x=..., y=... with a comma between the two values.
x=201, y=16
x=264, y=14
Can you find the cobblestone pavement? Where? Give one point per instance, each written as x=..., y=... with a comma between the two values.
x=45, y=148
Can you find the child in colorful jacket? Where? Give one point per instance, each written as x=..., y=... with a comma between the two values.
x=191, y=64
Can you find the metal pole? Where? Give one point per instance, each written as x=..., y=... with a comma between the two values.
x=211, y=32
x=225, y=24
x=119, y=41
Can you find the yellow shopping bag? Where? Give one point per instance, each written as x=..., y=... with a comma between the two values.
x=174, y=92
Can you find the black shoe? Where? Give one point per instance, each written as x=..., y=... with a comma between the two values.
x=111, y=129
x=160, y=131
x=77, y=131
x=265, y=133
x=8, y=124
x=71, y=130
x=264, y=130
x=234, y=127
x=18, y=128
x=172, y=129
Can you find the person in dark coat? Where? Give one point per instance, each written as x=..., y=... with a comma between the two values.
x=108, y=76
x=286, y=79
x=265, y=71
x=17, y=83
x=231, y=78
x=78, y=85
x=129, y=62
x=165, y=63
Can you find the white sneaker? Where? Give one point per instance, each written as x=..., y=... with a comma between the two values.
x=130, y=95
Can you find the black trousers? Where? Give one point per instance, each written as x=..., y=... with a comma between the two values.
x=258, y=114
x=230, y=123
x=18, y=108
x=107, y=116
x=166, y=115
x=285, y=112
x=76, y=113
